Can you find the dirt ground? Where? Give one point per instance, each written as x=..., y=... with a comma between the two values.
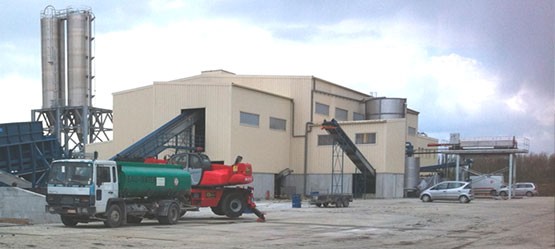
x=397, y=223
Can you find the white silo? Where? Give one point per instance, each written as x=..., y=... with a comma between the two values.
x=52, y=58
x=79, y=57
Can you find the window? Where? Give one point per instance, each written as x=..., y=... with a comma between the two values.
x=412, y=131
x=341, y=114
x=249, y=119
x=322, y=109
x=102, y=174
x=358, y=116
x=277, y=123
x=325, y=140
x=365, y=138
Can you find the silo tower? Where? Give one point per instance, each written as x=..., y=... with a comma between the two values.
x=67, y=112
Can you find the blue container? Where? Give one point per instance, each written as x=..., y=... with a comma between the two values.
x=296, y=200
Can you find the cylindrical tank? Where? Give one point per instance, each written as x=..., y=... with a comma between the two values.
x=152, y=180
x=412, y=172
x=385, y=108
x=52, y=58
x=78, y=57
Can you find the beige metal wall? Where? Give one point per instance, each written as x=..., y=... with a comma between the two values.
x=386, y=155
x=267, y=149
x=297, y=88
x=172, y=97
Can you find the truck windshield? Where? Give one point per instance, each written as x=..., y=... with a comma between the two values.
x=70, y=174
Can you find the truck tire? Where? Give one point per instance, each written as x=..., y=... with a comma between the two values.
x=345, y=203
x=172, y=216
x=217, y=210
x=339, y=203
x=234, y=204
x=114, y=216
x=68, y=221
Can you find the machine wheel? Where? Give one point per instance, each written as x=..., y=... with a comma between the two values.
x=529, y=194
x=217, y=210
x=114, y=216
x=503, y=193
x=464, y=199
x=339, y=204
x=426, y=198
x=134, y=219
x=68, y=221
x=172, y=217
x=345, y=203
x=234, y=204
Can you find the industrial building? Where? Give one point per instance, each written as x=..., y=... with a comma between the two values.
x=274, y=123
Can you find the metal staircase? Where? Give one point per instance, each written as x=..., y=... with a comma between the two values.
x=350, y=149
x=160, y=139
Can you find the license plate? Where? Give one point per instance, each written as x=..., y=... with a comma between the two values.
x=71, y=211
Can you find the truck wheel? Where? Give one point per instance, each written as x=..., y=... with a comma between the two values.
x=114, y=216
x=339, y=203
x=345, y=203
x=234, y=204
x=172, y=217
x=217, y=210
x=503, y=193
x=68, y=221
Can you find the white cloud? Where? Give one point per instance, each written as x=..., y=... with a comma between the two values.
x=19, y=96
x=462, y=85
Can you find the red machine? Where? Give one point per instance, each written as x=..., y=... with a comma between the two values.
x=215, y=185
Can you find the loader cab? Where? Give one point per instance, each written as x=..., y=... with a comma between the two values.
x=191, y=160
x=194, y=163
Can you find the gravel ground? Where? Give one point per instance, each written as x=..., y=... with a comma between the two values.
x=397, y=223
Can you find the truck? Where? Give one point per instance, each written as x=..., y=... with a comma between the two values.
x=487, y=184
x=120, y=192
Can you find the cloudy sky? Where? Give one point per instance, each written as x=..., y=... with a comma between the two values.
x=479, y=68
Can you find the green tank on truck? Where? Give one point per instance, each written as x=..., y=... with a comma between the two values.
x=152, y=180
x=82, y=191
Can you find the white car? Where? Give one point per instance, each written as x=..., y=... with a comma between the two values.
x=520, y=189
x=448, y=190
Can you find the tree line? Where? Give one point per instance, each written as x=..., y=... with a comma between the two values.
x=537, y=168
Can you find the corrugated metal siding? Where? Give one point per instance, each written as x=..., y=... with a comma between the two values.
x=133, y=111
x=215, y=98
x=265, y=148
x=294, y=87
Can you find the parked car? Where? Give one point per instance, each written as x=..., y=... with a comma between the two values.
x=449, y=190
x=520, y=189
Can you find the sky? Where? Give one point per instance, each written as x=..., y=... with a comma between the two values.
x=478, y=68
